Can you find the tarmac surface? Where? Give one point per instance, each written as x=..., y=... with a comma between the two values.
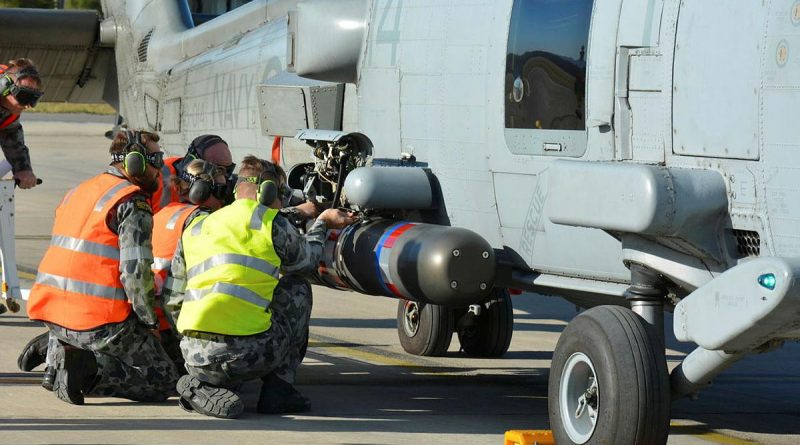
x=364, y=388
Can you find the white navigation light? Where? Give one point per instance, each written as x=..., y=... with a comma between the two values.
x=350, y=24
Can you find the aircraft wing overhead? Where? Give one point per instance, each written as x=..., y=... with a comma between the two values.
x=64, y=44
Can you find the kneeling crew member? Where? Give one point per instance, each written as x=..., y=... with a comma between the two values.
x=208, y=147
x=94, y=290
x=239, y=321
x=202, y=189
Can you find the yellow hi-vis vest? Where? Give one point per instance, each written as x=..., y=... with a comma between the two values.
x=231, y=270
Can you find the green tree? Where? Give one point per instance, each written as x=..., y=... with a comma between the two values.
x=50, y=4
x=82, y=4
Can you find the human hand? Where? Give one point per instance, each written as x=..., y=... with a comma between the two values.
x=26, y=179
x=338, y=219
x=307, y=210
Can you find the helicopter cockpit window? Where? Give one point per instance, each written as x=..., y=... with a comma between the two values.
x=205, y=10
x=545, y=81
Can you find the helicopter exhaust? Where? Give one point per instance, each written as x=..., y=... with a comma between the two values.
x=414, y=261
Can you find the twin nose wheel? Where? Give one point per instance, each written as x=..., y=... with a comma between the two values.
x=484, y=330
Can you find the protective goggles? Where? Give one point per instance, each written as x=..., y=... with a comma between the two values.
x=229, y=169
x=155, y=159
x=284, y=191
x=219, y=191
x=24, y=95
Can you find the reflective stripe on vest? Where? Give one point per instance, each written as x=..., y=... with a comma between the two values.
x=81, y=287
x=258, y=216
x=232, y=270
x=173, y=220
x=239, y=292
x=78, y=285
x=167, y=229
x=79, y=245
x=233, y=258
x=108, y=195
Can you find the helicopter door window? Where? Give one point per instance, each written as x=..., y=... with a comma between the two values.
x=215, y=7
x=545, y=80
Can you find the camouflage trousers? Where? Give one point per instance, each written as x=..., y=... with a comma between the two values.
x=228, y=360
x=171, y=342
x=131, y=363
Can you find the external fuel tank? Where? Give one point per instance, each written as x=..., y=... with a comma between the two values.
x=422, y=262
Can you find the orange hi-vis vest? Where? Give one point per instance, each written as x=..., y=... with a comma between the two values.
x=167, y=230
x=14, y=117
x=78, y=286
x=165, y=193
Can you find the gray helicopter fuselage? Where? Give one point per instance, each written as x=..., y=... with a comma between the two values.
x=499, y=98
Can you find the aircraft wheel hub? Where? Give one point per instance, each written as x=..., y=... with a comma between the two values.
x=579, y=398
x=411, y=318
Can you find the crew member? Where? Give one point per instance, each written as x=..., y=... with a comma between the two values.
x=20, y=90
x=208, y=147
x=239, y=321
x=201, y=188
x=94, y=289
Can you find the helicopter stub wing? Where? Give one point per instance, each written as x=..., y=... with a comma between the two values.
x=64, y=45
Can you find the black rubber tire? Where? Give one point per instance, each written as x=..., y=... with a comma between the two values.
x=489, y=334
x=434, y=333
x=631, y=371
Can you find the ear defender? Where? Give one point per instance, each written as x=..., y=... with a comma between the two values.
x=134, y=163
x=267, y=192
x=5, y=85
x=200, y=189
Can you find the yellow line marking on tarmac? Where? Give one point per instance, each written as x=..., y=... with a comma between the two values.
x=20, y=380
x=364, y=355
x=712, y=436
x=26, y=275
x=372, y=357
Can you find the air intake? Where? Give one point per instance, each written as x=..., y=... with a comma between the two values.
x=748, y=243
x=143, y=45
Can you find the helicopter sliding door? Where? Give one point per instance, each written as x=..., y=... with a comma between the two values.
x=545, y=81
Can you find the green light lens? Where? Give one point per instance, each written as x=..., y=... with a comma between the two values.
x=767, y=280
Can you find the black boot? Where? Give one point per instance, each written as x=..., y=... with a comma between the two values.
x=34, y=353
x=209, y=400
x=49, y=378
x=280, y=397
x=76, y=376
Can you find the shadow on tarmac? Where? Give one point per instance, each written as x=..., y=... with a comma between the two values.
x=382, y=323
x=17, y=322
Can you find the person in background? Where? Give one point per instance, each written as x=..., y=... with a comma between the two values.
x=20, y=90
